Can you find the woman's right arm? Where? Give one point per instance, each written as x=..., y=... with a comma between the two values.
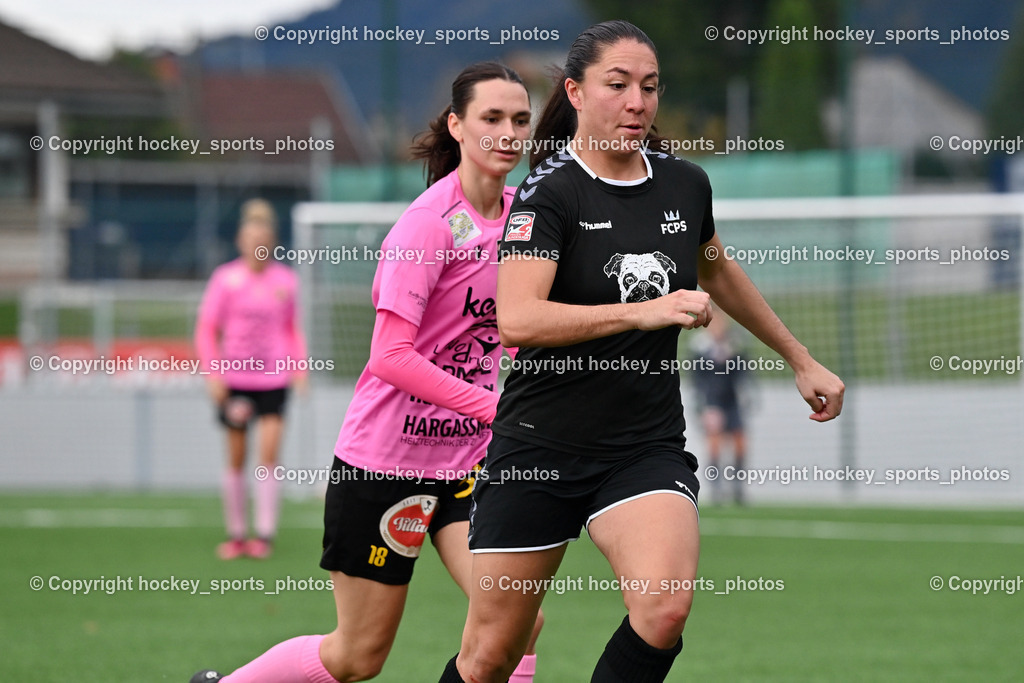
x=527, y=318
x=206, y=337
x=404, y=289
x=394, y=359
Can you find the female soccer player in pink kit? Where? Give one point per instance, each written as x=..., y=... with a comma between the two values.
x=418, y=426
x=248, y=324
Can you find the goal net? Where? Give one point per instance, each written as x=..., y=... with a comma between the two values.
x=915, y=301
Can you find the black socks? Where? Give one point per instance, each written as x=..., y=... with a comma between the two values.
x=628, y=658
x=451, y=674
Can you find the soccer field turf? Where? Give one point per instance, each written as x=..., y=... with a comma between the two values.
x=854, y=603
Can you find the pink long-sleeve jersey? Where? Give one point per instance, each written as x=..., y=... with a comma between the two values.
x=248, y=332
x=438, y=272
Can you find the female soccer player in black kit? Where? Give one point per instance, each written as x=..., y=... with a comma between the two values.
x=604, y=248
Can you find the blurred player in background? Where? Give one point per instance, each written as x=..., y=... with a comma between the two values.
x=605, y=246
x=418, y=426
x=719, y=387
x=248, y=327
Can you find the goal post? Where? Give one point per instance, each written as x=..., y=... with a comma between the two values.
x=914, y=300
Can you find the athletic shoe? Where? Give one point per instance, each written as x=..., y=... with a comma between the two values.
x=230, y=550
x=205, y=676
x=738, y=496
x=257, y=548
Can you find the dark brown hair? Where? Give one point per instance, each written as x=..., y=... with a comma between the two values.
x=437, y=147
x=557, y=123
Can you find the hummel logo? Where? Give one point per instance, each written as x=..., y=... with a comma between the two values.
x=671, y=215
x=596, y=226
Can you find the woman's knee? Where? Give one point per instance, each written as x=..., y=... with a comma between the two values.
x=352, y=661
x=491, y=652
x=660, y=622
x=488, y=662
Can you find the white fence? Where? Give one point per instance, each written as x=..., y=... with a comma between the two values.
x=883, y=322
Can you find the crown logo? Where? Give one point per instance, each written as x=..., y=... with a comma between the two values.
x=671, y=215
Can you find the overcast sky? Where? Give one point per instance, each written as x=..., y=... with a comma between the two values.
x=93, y=29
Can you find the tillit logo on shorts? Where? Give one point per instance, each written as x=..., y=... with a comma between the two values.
x=520, y=227
x=404, y=526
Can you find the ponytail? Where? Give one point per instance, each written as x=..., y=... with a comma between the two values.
x=557, y=122
x=437, y=148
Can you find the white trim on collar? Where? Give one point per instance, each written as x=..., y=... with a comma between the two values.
x=612, y=181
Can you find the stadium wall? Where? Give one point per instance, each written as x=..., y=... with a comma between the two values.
x=101, y=439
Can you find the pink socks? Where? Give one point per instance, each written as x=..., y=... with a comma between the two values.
x=293, y=661
x=524, y=672
x=267, y=502
x=233, y=496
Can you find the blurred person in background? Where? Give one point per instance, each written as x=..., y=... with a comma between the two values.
x=719, y=372
x=247, y=332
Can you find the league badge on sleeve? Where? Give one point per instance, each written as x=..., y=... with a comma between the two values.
x=520, y=227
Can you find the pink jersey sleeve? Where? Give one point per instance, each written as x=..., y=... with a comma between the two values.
x=207, y=323
x=394, y=360
x=410, y=268
x=296, y=336
x=426, y=398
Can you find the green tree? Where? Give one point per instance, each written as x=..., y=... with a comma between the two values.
x=1007, y=103
x=91, y=127
x=789, y=87
x=695, y=70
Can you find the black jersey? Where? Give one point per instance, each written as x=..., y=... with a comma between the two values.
x=614, y=243
x=717, y=385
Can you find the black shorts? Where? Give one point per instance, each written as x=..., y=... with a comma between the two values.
x=532, y=498
x=733, y=418
x=263, y=402
x=374, y=526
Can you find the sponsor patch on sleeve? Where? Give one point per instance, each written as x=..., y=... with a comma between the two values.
x=463, y=228
x=520, y=227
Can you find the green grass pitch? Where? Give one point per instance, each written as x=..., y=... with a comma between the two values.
x=990, y=328
x=856, y=603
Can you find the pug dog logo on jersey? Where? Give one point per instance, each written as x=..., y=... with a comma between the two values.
x=641, y=277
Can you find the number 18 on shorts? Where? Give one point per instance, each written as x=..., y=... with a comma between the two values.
x=375, y=528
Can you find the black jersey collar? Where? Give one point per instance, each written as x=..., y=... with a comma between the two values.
x=611, y=181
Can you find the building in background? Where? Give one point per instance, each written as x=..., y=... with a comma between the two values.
x=127, y=213
x=40, y=87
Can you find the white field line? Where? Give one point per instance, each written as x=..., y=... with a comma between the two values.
x=863, y=531
x=44, y=518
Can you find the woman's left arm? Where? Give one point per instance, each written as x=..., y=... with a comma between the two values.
x=734, y=293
